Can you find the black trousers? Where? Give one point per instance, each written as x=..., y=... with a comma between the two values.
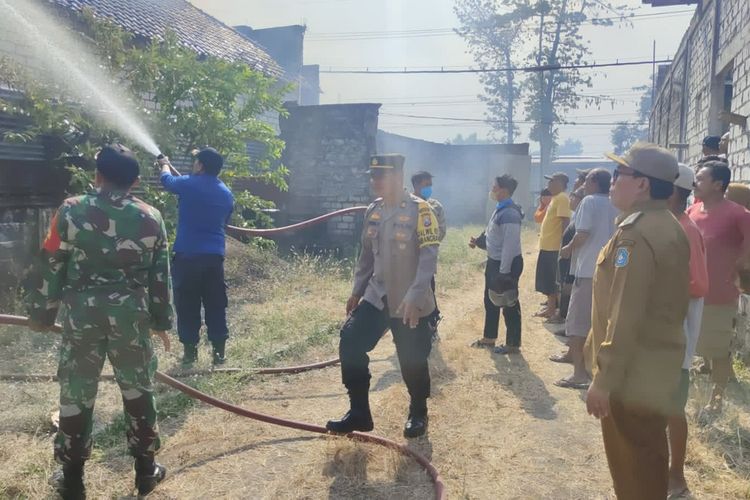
x=512, y=315
x=362, y=332
x=198, y=282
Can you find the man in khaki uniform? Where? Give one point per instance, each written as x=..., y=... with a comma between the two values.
x=636, y=345
x=391, y=290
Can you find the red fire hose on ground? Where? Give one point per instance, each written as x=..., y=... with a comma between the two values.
x=440, y=493
x=267, y=233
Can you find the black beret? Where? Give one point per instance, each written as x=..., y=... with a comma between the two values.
x=118, y=165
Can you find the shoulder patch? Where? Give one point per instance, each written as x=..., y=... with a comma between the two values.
x=622, y=256
x=630, y=219
x=427, y=225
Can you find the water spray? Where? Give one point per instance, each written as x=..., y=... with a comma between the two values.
x=61, y=60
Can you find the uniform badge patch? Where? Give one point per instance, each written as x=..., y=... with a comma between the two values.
x=622, y=257
x=427, y=222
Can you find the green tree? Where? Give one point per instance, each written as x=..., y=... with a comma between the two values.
x=492, y=38
x=470, y=139
x=571, y=147
x=546, y=33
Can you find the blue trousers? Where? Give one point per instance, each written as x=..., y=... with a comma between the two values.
x=198, y=282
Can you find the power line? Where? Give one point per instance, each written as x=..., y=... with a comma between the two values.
x=431, y=32
x=490, y=121
x=412, y=98
x=547, y=67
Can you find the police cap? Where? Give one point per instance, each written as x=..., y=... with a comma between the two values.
x=388, y=162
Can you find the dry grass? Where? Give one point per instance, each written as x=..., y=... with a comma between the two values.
x=498, y=427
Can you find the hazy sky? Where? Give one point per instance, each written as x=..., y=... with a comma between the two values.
x=339, y=35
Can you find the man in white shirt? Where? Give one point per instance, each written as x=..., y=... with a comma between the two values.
x=595, y=224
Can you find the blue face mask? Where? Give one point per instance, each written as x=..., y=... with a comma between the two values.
x=426, y=192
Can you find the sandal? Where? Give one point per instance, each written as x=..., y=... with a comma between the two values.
x=555, y=320
x=568, y=384
x=682, y=494
x=561, y=358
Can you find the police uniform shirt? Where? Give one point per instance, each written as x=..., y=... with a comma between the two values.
x=636, y=344
x=399, y=255
x=437, y=207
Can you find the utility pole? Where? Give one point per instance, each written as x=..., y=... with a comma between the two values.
x=542, y=135
x=653, y=75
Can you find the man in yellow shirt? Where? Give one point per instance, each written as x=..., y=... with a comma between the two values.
x=550, y=237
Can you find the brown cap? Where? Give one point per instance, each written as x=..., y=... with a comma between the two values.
x=389, y=162
x=559, y=176
x=650, y=160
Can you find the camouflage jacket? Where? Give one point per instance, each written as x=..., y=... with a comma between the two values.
x=103, y=250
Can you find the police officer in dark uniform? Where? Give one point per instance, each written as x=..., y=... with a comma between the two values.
x=391, y=290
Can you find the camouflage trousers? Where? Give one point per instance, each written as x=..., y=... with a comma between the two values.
x=123, y=336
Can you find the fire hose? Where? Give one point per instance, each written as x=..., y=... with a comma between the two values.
x=267, y=233
x=440, y=493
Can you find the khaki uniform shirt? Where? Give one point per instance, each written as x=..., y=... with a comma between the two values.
x=399, y=255
x=636, y=344
x=437, y=207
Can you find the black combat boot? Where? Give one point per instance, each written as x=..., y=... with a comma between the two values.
x=416, y=424
x=218, y=349
x=69, y=482
x=148, y=474
x=358, y=418
x=190, y=355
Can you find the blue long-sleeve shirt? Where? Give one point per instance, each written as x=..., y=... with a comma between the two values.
x=205, y=205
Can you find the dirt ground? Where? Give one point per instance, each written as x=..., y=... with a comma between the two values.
x=499, y=428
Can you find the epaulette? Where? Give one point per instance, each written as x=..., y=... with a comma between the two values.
x=375, y=203
x=630, y=220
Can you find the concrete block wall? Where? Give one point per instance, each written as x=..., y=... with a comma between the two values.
x=700, y=42
x=327, y=152
x=463, y=173
x=710, y=47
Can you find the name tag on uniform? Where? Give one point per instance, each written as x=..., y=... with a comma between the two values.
x=404, y=218
x=622, y=257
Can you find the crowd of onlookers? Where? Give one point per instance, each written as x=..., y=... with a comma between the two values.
x=585, y=236
x=714, y=214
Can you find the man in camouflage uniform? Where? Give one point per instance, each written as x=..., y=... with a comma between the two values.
x=391, y=291
x=105, y=261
